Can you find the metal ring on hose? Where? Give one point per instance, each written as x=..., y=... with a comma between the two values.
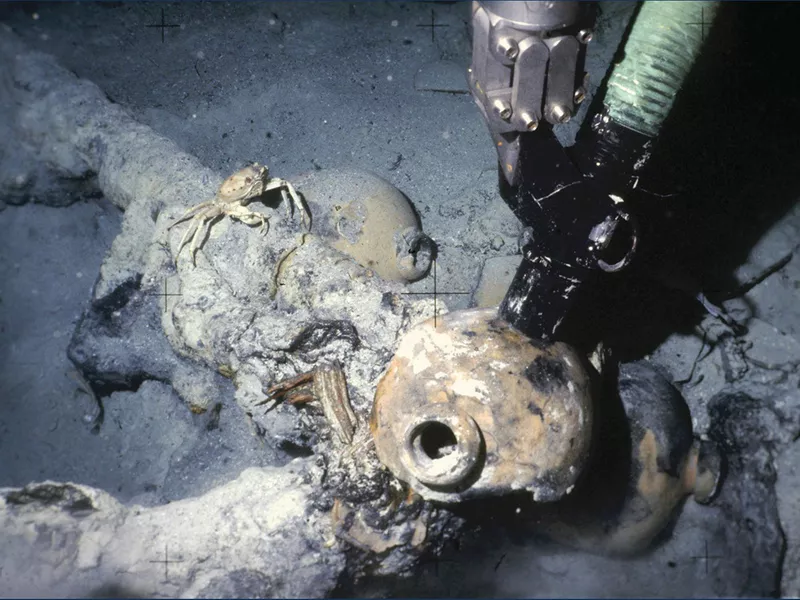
x=625, y=260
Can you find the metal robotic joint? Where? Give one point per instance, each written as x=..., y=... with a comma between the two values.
x=524, y=70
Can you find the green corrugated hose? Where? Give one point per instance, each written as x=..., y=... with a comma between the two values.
x=661, y=48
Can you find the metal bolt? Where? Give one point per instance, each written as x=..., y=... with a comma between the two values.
x=502, y=109
x=585, y=36
x=602, y=233
x=530, y=122
x=560, y=114
x=579, y=95
x=508, y=47
x=525, y=238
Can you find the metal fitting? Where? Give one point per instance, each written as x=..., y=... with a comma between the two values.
x=601, y=236
x=585, y=36
x=508, y=47
x=560, y=114
x=579, y=95
x=525, y=53
x=502, y=109
x=525, y=238
x=531, y=124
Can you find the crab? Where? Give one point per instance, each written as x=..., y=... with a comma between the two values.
x=231, y=199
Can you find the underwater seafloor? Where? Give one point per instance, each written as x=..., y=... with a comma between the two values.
x=304, y=87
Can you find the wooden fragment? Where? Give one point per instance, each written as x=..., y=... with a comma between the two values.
x=330, y=388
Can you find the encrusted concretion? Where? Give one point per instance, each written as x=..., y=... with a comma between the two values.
x=471, y=407
x=370, y=220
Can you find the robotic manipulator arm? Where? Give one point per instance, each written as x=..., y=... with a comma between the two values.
x=526, y=76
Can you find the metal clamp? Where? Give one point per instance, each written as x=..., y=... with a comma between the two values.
x=602, y=235
x=525, y=58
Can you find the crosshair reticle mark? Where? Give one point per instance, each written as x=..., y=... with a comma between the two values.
x=166, y=561
x=163, y=25
x=166, y=294
x=435, y=293
x=705, y=557
x=702, y=23
x=433, y=25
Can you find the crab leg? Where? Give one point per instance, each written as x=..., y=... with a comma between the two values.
x=305, y=214
x=190, y=213
x=290, y=208
x=198, y=237
x=250, y=217
x=190, y=231
x=296, y=201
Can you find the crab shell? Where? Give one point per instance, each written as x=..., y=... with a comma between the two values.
x=248, y=182
x=471, y=407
